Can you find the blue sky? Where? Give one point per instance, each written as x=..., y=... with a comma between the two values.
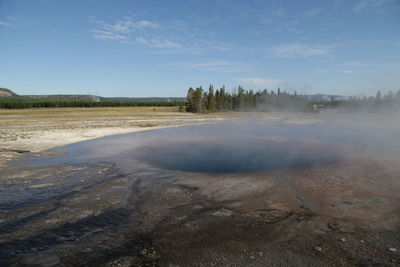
x=160, y=48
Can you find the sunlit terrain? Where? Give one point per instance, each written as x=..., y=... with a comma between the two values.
x=245, y=192
x=199, y=133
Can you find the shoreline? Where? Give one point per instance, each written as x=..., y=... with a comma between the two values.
x=38, y=145
x=37, y=130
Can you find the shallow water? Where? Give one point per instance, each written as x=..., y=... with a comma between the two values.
x=231, y=144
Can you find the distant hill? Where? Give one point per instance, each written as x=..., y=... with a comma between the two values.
x=65, y=97
x=8, y=95
x=4, y=92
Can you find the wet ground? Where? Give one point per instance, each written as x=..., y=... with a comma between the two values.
x=239, y=194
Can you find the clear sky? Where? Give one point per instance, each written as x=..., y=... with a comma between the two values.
x=161, y=48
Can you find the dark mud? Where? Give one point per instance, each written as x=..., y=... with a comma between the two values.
x=119, y=202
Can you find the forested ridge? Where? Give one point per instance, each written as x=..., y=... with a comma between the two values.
x=85, y=104
x=11, y=100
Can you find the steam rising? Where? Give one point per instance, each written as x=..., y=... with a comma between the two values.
x=258, y=143
x=234, y=155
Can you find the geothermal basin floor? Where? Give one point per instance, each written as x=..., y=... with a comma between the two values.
x=110, y=202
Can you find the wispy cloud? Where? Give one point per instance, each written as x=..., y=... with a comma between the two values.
x=157, y=43
x=125, y=25
x=257, y=81
x=215, y=66
x=368, y=5
x=354, y=63
x=338, y=71
x=7, y=21
x=312, y=12
x=279, y=20
x=299, y=50
x=163, y=37
x=107, y=35
x=203, y=64
x=214, y=45
x=122, y=29
x=146, y=24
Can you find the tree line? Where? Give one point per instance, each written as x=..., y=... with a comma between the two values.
x=199, y=100
x=380, y=103
x=85, y=104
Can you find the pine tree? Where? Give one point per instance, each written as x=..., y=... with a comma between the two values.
x=204, y=103
x=217, y=100
x=190, y=104
x=223, y=100
x=240, y=98
x=397, y=96
x=378, y=98
x=211, y=102
x=389, y=97
x=198, y=100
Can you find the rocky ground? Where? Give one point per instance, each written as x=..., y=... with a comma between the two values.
x=95, y=215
